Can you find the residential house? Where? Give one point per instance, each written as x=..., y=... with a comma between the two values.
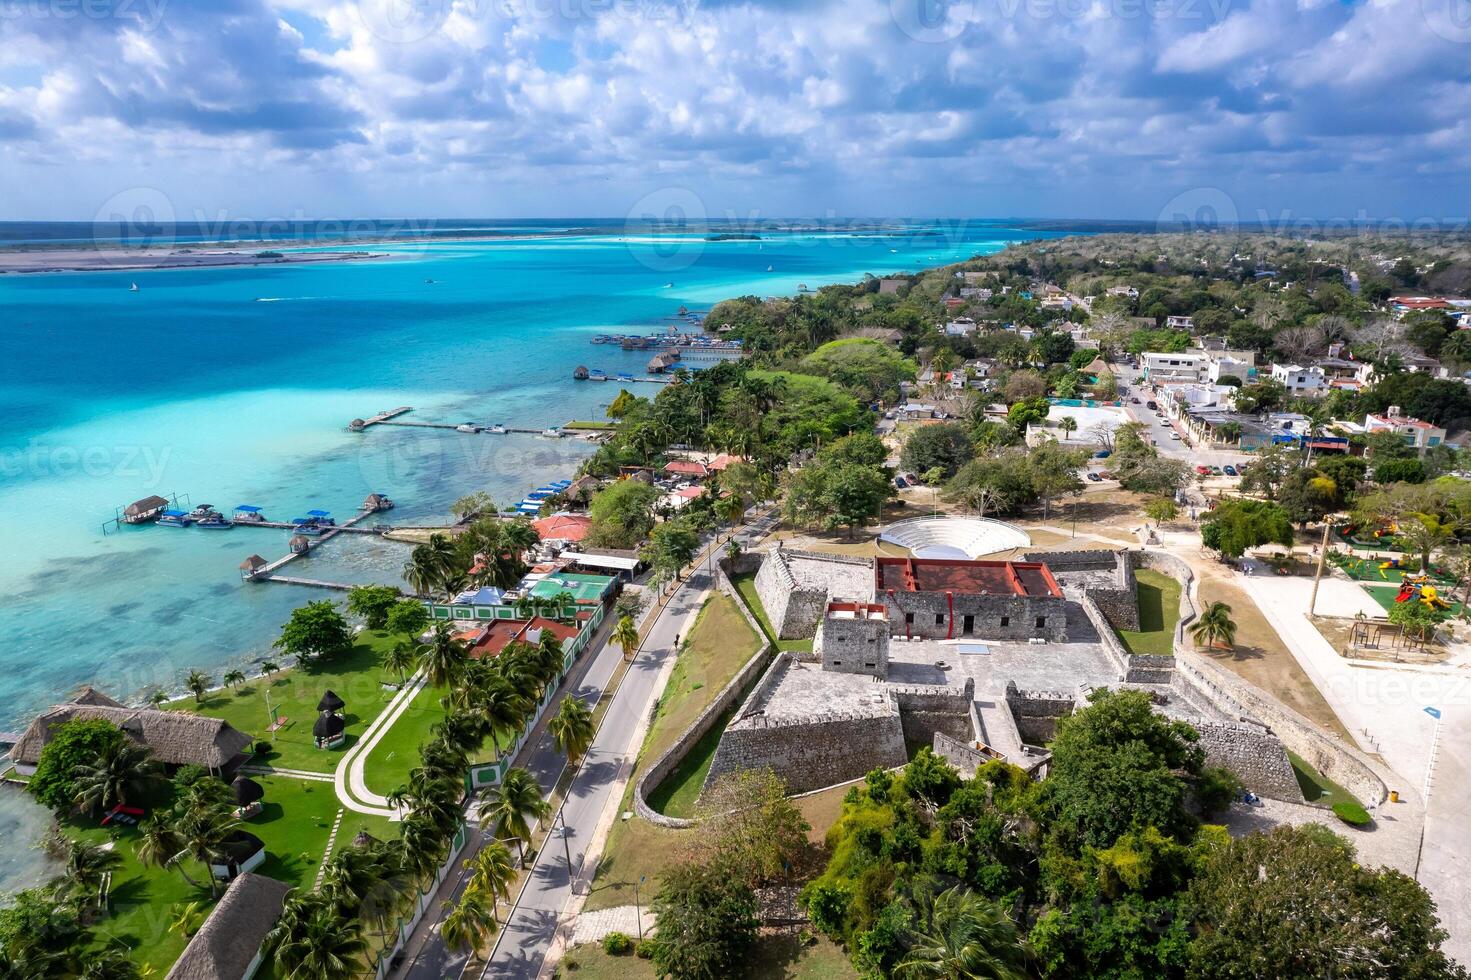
x=1182, y=366
x=1417, y=434
x=228, y=944
x=1179, y=322
x=960, y=327
x=1300, y=380
x=1240, y=364
x=1128, y=292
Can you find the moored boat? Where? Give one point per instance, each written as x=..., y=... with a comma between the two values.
x=174, y=518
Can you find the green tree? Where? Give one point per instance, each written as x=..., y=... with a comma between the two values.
x=513, y=803
x=313, y=940
x=491, y=873
x=1161, y=510
x=444, y=658
x=122, y=772
x=1237, y=525
x=962, y=936
x=315, y=633
x=572, y=728
x=625, y=634
x=408, y=617
x=1214, y=627
x=869, y=369
x=833, y=495
x=1114, y=765
x=622, y=405
x=469, y=506
x=86, y=866
x=72, y=744
x=1294, y=902
x=622, y=514
x=672, y=545
x=234, y=678
x=1023, y=413
x=467, y=924
x=372, y=603
x=1054, y=472
x=749, y=827
x=707, y=923
x=401, y=658
x=198, y=683
x=945, y=446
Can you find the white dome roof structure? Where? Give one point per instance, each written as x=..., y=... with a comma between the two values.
x=946, y=536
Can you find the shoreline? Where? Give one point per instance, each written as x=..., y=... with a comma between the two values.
x=120, y=260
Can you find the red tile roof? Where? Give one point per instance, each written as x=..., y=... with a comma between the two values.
x=971, y=577
x=686, y=467
x=499, y=634
x=563, y=527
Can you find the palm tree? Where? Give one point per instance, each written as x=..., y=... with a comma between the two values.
x=1214, y=627
x=199, y=683
x=401, y=658
x=202, y=828
x=160, y=845
x=491, y=873
x=349, y=875
x=158, y=697
x=188, y=917
x=1068, y=424
x=109, y=964
x=313, y=941
x=123, y=770
x=268, y=667
x=419, y=572
x=469, y=925
x=514, y=803
x=501, y=707
x=963, y=936
x=625, y=634
x=572, y=728
x=86, y=866
x=443, y=658
x=234, y=677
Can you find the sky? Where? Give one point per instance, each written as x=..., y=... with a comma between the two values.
x=735, y=109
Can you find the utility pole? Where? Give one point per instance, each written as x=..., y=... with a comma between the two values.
x=1322, y=559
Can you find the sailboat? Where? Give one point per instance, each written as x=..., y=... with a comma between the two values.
x=133, y=288
x=769, y=268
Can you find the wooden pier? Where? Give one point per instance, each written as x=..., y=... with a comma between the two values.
x=267, y=572
x=358, y=425
x=479, y=428
x=311, y=582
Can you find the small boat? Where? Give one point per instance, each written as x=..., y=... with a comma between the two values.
x=624, y=376
x=470, y=427
x=215, y=523
x=552, y=432
x=498, y=429
x=133, y=288
x=428, y=282
x=203, y=512
x=597, y=375
x=321, y=517
x=310, y=529
x=248, y=514
x=174, y=518
x=669, y=285
x=770, y=268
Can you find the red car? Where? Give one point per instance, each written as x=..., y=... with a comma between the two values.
x=1203, y=470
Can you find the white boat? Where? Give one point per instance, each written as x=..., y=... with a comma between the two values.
x=669, y=285
x=133, y=288
x=769, y=269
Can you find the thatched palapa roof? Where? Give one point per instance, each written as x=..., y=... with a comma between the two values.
x=225, y=945
x=175, y=738
x=145, y=505
x=252, y=563
x=247, y=791
x=328, y=726
x=331, y=702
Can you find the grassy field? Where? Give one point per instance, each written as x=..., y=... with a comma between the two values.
x=293, y=694
x=717, y=648
x=387, y=766
x=294, y=824
x=1385, y=596
x=746, y=586
x=1159, y=611
x=778, y=956
x=1316, y=787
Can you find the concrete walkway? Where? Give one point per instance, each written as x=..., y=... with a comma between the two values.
x=320, y=777
x=352, y=788
x=591, y=927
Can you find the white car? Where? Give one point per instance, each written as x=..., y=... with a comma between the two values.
x=1175, y=436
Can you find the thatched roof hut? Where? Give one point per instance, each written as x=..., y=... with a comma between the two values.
x=148, y=505
x=247, y=791
x=357, y=425
x=328, y=726
x=90, y=695
x=331, y=702
x=299, y=544
x=250, y=566
x=662, y=361
x=582, y=489
x=579, y=373
x=226, y=946
x=375, y=502
x=175, y=738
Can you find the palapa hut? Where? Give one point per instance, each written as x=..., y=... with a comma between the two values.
x=331, y=703
x=581, y=490
x=140, y=511
x=238, y=853
x=299, y=544
x=663, y=361
x=328, y=731
x=176, y=738
x=357, y=425
x=250, y=566
x=375, y=502
x=248, y=794
x=228, y=945
x=579, y=373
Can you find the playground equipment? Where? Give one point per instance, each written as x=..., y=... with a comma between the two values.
x=1419, y=590
x=1388, y=566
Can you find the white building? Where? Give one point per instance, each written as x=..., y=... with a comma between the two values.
x=1179, y=322
x=1420, y=435
x=1240, y=364
x=1300, y=380
x=1184, y=366
x=962, y=326
x=1126, y=291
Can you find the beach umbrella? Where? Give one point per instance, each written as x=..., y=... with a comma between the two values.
x=247, y=791
x=331, y=702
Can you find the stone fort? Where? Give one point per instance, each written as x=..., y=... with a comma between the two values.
x=977, y=659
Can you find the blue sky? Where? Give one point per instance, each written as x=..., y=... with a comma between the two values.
x=796, y=108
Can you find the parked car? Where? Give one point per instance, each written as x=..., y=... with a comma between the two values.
x=1103, y=454
x=1229, y=469
x=1175, y=436
x=1133, y=401
x=1202, y=469
x=1151, y=406
x=1095, y=477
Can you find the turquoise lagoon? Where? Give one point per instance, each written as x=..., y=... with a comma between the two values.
x=235, y=385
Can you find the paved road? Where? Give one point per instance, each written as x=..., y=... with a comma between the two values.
x=1160, y=430
x=530, y=929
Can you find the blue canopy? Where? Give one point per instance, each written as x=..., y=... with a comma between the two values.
x=175, y=513
x=318, y=513
x=248, y=509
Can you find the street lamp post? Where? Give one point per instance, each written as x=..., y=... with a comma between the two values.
x=637, y=909
x=567, y=850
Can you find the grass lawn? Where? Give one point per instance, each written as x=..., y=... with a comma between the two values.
x=1159, y=611
x=1316, y=787
x=356, y=677
x=746, y=586
x=777, y=956
x=397, y=752
x=718, y=646
x=295, y=824
x=1368, y=570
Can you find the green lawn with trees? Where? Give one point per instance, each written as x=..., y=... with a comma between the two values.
x=1159, y=611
